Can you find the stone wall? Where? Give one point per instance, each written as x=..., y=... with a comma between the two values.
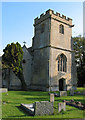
x=27, y=66
x=55, y=75
x=41, y=68
x=57, y=39
x=15, y=83
x=52, y=43
x=40, y=72
x=10, y=80
x=5, y=78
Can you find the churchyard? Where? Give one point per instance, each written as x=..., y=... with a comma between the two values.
x=12, y=100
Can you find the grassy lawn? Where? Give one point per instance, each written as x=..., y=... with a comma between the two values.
x=11, y=107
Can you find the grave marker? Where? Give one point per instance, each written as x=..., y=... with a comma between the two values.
x=51, y=97
x=63, y=93
x=61, y=106
x=71, y=92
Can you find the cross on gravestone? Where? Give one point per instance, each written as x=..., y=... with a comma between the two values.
x=61, y=106
x=51, y=97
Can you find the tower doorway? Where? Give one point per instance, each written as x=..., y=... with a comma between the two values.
x=62, y=85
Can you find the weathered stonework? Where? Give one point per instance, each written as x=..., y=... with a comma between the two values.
x=47, y=46
x=61, y=106
x=51, y=97
x=39, y=108
x=43, y=108
x=63, y=93
x=41, y=70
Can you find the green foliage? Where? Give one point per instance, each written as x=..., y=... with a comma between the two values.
x=79, y=48
x=12, y=58
x=13, y=100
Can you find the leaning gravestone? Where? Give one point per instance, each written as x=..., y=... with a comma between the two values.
x=72, y=92
x=61, y=106
x=63, y=93
x=39, y=108
x=51, y=97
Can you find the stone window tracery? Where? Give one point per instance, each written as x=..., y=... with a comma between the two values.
x=62, y=63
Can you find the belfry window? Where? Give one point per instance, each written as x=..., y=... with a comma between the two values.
x=42, y=28
x=61, y=29
x=62, y=63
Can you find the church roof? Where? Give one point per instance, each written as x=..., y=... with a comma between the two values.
x=30, y=50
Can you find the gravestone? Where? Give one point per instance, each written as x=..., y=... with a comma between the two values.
x=61, y=106
x=71, y=92
x=39, y=108
x=3, y=90
x=51, y=97
x=63, y=93
x=43, y=108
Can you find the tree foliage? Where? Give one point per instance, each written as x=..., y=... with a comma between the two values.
x=79, y=48
x=12, y=58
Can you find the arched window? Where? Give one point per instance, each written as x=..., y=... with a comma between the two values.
x=62, y=63
x=61, y=29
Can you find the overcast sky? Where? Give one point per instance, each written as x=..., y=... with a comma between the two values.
x=18, y=19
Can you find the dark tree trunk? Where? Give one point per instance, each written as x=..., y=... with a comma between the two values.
x=21, y=77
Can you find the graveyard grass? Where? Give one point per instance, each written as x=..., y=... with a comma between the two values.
x=11, y=107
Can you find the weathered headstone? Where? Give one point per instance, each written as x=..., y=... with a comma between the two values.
x=2, y=90
x=61, y=106
x=43, y=108
x=71, y=92
x=39, y=108
x=51, y=97
x=63, y=93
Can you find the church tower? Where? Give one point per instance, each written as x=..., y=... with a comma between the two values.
x=53, y=66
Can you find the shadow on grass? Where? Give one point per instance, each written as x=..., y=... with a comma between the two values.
x=37, y=99
x=32, y=93
x=23, y=111
x=75, y=99
x=17, y=116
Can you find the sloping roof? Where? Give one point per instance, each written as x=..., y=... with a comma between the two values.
x=30, y=50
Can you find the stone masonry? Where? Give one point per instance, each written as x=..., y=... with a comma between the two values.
x=47, y=45
x=49, y=64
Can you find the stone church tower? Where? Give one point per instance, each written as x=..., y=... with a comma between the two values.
x=49, y=64
x=53, y=66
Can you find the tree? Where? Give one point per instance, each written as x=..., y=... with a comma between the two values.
x=12, y=58
x=79, y=48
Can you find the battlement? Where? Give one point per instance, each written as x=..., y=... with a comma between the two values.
x=57, y=16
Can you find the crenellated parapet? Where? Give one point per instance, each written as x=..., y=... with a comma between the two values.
x=57, y=16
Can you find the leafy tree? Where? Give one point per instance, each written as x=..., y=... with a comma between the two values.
x=79, y=48
x=12, y=58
